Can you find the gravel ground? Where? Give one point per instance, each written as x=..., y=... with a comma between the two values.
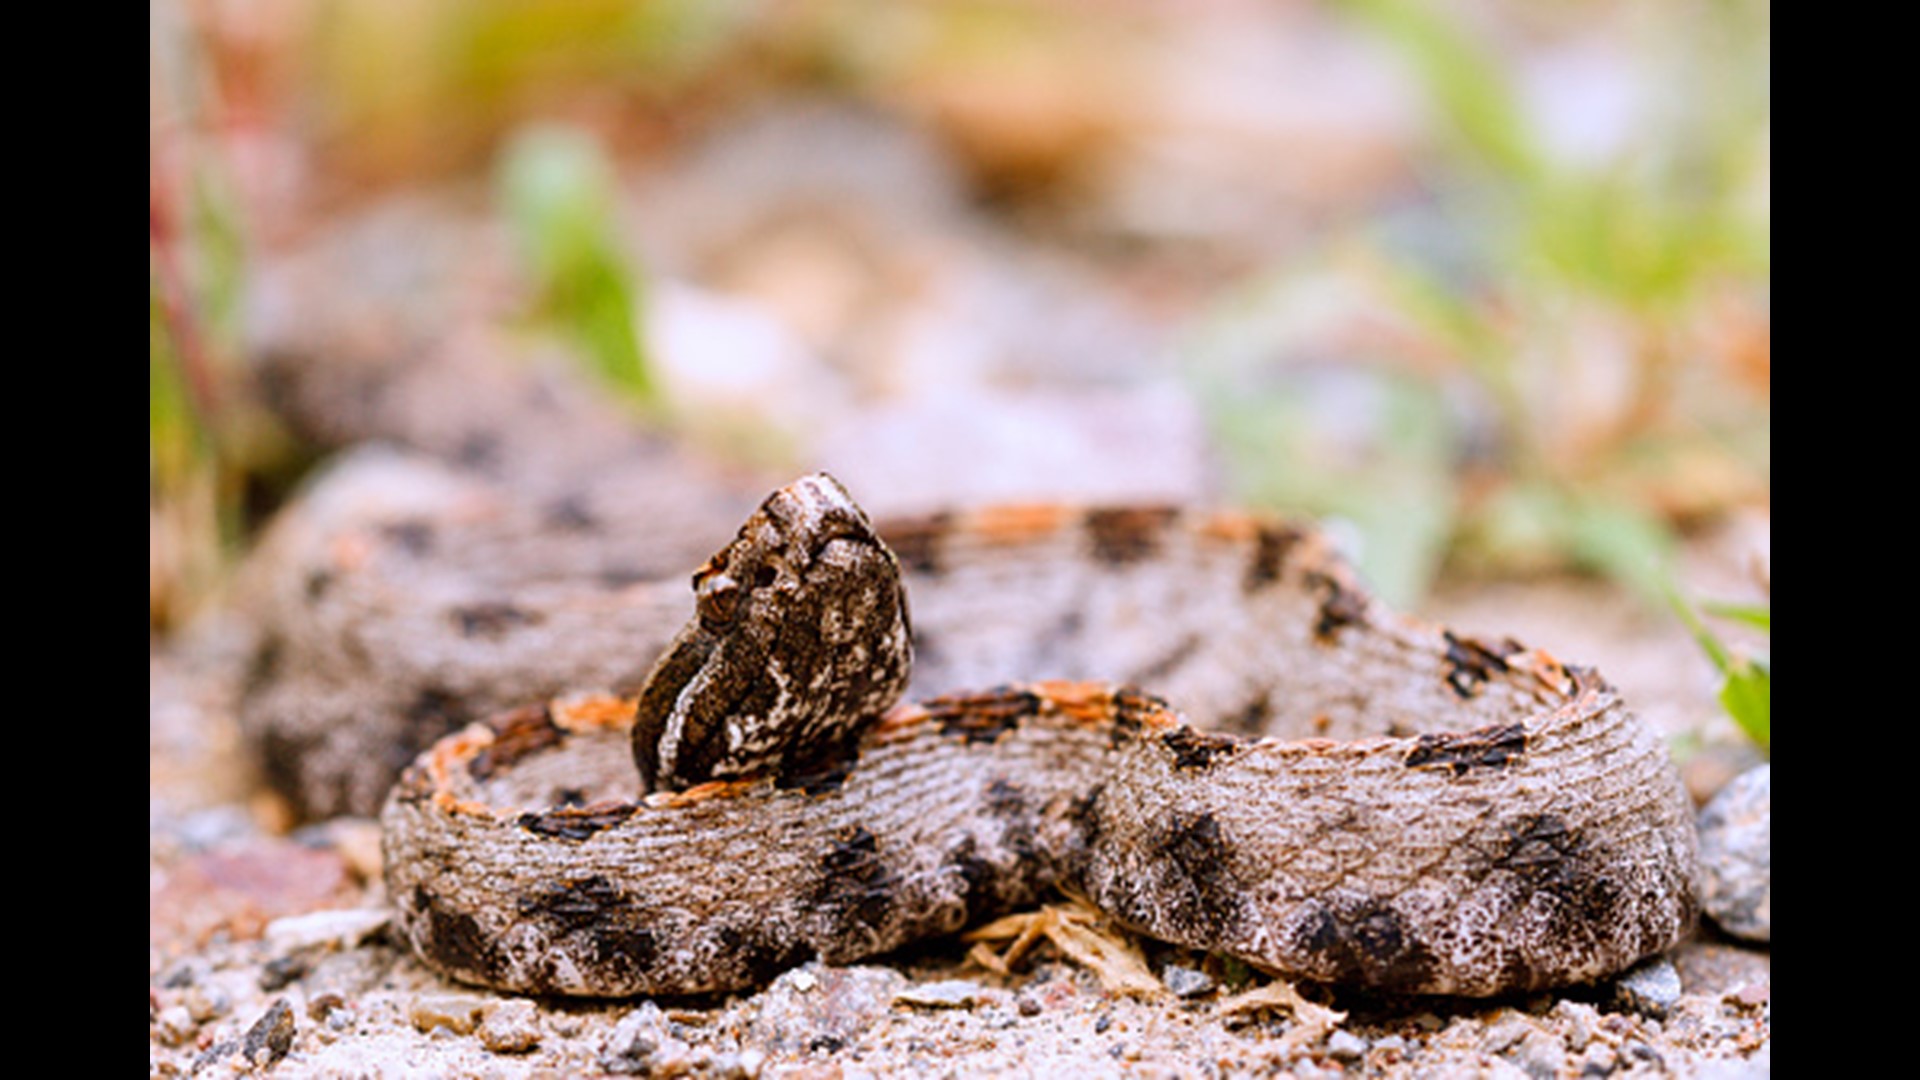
x=269, y=953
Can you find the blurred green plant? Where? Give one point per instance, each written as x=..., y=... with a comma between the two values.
x=201, y=446
x=1746, y=678
x=1379, y=445
x=405, y=91
x=1576, y=265
x=557, y=189
x=1566, y=312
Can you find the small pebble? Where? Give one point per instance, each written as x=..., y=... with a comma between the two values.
x=744, y=1065
x=211, y=1054
x=1186, y=982
x=206, y=1002
x=1579, y=1019
x=946, y=994
x=842, y=1005
x=175, y=1026
x=510, y=1027
x=341, y=928
x=1709, y=769
x=1650, y=988
x=1309, y=1069
x=1344, y=1045
x=283, y=970
x=642, y=1045
x=1736, y=856
x=1540, y=1054
x=457, y=1013
x=1505, y=1032
x=1640, y=1051
x=179, y=978
x=1599, y=1060
x=271, y=1036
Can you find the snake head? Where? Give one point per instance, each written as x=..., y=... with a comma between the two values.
x=799, y=640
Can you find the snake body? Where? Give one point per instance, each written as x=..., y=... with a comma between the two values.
x=1441, y=814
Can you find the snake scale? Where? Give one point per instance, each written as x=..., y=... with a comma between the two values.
x=1362, y=799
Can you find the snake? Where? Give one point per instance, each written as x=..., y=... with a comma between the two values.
x=1366, y=800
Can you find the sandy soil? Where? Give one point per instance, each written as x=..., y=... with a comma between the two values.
x=268, y=948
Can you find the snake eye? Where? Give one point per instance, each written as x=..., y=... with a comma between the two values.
x=717, y=601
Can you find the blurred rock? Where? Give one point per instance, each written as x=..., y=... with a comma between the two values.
x=1649, y=988
x=1736, y=855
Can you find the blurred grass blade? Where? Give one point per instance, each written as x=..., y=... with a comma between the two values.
x=559, y=196
x=1370, y=448
x=1467, y=82
x=1747, y=692
x=1625, y=542
x=1758, y=616
x=1747, y=697
x=1709, y=643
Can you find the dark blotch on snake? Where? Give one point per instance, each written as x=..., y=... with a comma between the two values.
x=1128, y=535
x=516, y=734
x=1253, y=717
x=855, y=883
x=454, y=939
x=413, y=537
x=1270, y=549
x=1158, y=669
x=1364, y=943
x=1340, y=607
x=571, y=823
x=1550, y=858
x=1484, y=748
x=1198, y=888
x=1470, y=662
x=977, y=875
x=570, y=513
x=916, y=543
x=758, y=957
x=1196, y=749
x=985, y=717
x=1018, y=832
x=597, y=911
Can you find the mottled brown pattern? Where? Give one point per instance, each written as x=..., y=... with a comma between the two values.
x=917, y=542
x=1489, y=821
x=515, y=734
x=1272, y=542
x=1129, y=534
x=800, y=639
x=1488, y=748
x=1472, y=662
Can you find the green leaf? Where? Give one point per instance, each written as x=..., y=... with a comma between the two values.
x=1746, y=693
x=1464, y=80
x=1747, y=697
x=1754, y=615
x=1370, y=448
x=558, y=189
x=1627, y=543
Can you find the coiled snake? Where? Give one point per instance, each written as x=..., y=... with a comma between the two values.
x=1448, y=815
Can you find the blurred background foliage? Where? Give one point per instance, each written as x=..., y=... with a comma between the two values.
x=1531, y=333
